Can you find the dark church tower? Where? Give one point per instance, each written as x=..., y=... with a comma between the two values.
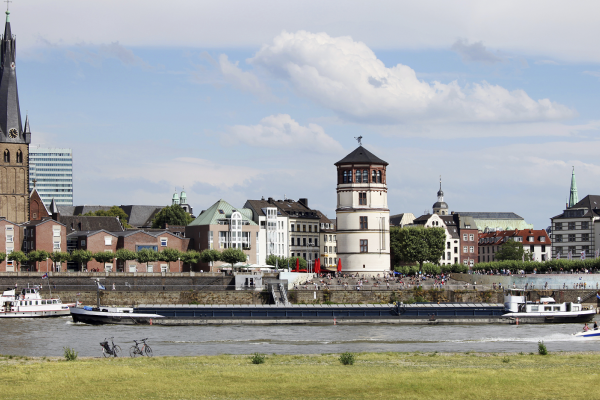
x=14, y=141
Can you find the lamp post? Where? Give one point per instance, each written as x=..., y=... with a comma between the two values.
x=179, y=261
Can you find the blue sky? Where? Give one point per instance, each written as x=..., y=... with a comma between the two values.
x=238, y=100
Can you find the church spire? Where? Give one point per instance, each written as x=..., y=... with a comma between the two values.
x=573, y=198
x=11, y=130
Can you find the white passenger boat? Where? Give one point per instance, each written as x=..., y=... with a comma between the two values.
x=29, y=303
x=544, y=311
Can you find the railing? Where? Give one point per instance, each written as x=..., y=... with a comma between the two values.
x=284, y=295
x=275, y=297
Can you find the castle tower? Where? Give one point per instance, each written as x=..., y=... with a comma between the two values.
x=363, y=217
x=440, y=207
x=14, y=141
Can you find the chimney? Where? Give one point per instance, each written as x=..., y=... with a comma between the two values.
x=304, y=202
x=271, y=200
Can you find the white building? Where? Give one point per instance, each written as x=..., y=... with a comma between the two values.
x=363, y=228
x=273, y=223
x=51, y=173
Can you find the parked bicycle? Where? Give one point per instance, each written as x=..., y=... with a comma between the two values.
x=137, y=350
x=107, y=350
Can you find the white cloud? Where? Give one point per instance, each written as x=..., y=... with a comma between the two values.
x=281, y=131
x=475, y=52
x=347, y=77
x=242, y=80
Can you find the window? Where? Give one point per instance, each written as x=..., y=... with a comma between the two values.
x=107, y=240
x=543, y=248
x=9, y=238
x=448, y=245
x=6, y=156
x=585, y=225
x=465, y=249
x=365, y=176
x=310, y=228
x=572, y=238
x=471, y=249
x=303, y=241
x=558, y=226
x=364, y=246
x=83, y=242
x=465, y=237
x=465, y=262
x=292, y=227
x=449, y=256
x=530, y=238
x=20, y=157
x=303, y=228
x=571, y=226
x=531, y=248
x=316, y=242
x=585, y=237
x=558, y=238
x=163, y=242
x=350, y=176
x=56, y=231
x=471, y=237
x=358, y=176
x=456, y=250
x=378, y=176
x=56, y=245
x=373, y=176
x=586, y=249
x=345, y=177
x=362, y=199
x=363, y=223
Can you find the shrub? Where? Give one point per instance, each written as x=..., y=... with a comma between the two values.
x=70, y=354
x=258, y=358
x=506, y=359
x=542, y=350
x=347, y=358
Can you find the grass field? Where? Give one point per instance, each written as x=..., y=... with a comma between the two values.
x=374, y=375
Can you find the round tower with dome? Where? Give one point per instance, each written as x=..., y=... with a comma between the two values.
x=363, y=217
x=175, y=198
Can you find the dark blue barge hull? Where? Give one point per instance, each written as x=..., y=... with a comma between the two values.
x=301, y=311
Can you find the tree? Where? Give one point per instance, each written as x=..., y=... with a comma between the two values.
x=36, y=256
x=274, y=260
x=292, y=262
x=146, y=256
x=512, y=250
x=169, y=255
x=18, y=257
x=417, y=244
x=59, y=257
x=190, y=257
x=104, y=257
x=232, y=256
x=125, y=255
x=172, y=215
x=82, y=257
x=2, y=256
x=114, y=211
x=209, y=256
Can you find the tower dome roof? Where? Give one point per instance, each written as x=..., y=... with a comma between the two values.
x=440, y=204
x=175, y=196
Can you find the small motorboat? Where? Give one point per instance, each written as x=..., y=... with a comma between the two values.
x=29, y=303
x=590, y=333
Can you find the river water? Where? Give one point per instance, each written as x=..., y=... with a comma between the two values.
x=47, y=337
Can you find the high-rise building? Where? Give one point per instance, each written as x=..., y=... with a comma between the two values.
x=14, y=140
x=51, y=173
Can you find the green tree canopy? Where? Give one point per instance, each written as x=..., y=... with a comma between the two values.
x=59, y=257
x=512, y=250
x=147, y=255
x=190, y=257
x=38, y=255
x=114, y=211
x=210, y=255
x=82, y=256
x=232, y=256
x=2, y=256
x=417, y=244
x=169, y=255
x=280, y=262
x=18, y=257
x=125, y=255
x=104, y=257
x=303, y=264
x=172, y=215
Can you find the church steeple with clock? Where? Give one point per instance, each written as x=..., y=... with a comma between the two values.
x=14, y=141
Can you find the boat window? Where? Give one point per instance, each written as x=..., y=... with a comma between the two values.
x=53, y=301
x=547, y=308
x=30, y=302
x=557, y=308
x=36, y=303
x=535, y=308
x=575, y=308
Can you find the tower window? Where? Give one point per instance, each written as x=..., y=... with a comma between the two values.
x=6, y=156
x=373, y=176
x=364, y=246
x=365, y=176
x=363, y=223
x=358, y=180
x=345, y=176
x=362, y=199
x=350, y=176
x=20, y=157
x=378, y=176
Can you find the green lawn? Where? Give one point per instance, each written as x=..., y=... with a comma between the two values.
x=374, y=375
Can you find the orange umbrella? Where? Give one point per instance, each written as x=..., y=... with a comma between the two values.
x=339, y=265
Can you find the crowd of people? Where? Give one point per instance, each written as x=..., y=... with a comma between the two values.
x=380, y=281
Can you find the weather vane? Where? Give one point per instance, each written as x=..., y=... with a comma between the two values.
x=359, y=139
x=7, y=3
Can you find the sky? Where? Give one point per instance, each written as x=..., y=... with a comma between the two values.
x=239, y=100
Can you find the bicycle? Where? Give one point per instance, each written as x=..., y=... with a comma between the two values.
x=144, y=350
x=108, y=351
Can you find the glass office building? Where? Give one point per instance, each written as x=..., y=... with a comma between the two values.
x=51, y=172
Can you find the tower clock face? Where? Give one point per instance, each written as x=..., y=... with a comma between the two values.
x=13, y=133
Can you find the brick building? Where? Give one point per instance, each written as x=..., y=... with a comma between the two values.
x=94, y=241
x=10, y=238
x=535, y=241
x=46, y=234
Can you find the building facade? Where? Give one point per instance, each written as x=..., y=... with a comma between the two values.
x=362, y=213
x=14, y=139
x=273, y=225
x=535, y=242
x=51, y=173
